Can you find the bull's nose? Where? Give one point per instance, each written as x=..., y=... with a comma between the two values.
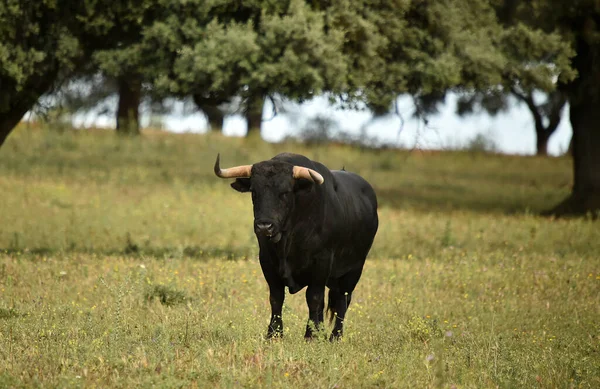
x=264, y=228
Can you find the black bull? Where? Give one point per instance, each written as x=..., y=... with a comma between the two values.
x=315, y=228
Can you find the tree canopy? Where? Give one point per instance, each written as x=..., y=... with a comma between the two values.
x=356, y=51
x=37, y=44
x=44, y=43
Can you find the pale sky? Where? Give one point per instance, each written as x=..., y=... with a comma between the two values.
x=512, y=132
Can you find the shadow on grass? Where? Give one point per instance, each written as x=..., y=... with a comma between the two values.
x=453, y=197
x=194, y=252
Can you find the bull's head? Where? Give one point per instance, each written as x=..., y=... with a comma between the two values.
x=275, y=186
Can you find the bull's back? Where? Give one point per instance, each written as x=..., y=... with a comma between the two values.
x=358, y=205
x=353, y=213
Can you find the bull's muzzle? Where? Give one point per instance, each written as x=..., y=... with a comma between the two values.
x=263, y=228
x=267, y=229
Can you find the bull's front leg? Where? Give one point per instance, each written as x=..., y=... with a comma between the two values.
x=276, y=297
x=315, y=296
x=276, y=290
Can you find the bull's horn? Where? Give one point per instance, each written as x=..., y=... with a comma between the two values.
x=309, y=174
x=233, y=172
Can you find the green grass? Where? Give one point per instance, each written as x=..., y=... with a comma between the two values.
x=126, y=263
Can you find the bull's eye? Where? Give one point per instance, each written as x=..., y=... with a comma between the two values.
x=284, y=195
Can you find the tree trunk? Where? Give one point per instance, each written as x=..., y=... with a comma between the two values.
x=570, y=148
x=585, y=196
x=541, y=143
x=15, y=104
x=584, y=100
x=210, y=109
x=253, y=113
x=215, y=118
x=9, y=120
x=556, y=102
x=130, y=97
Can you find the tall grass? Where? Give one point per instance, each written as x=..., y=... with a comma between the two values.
x=125, y=262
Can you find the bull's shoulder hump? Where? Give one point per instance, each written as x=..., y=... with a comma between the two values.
x=352, y=182
x=354, y=192
x=301, y=160
x=294, y=159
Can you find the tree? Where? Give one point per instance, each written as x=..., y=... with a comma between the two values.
x=37, y=47
x=426, y=49
x=125, y=59
x=363, y=51
x=250, y=50
x=546, y=115
x=210, y=107
x=579, y=23
x=181, y=24
x=253, y=112
x=44, y=43
x=130, y=98
x=584, y=102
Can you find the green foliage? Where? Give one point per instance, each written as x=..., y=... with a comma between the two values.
x=355, y=51
x=36, y=42
x=424, y=48
x=28, y=38
x=287, y=52
x=42, y=38
x=492, y=101
x=361, y=50
x=299, y=51
x=537, y=58
x=116, y=32
x=44, y=43
x=217, y=62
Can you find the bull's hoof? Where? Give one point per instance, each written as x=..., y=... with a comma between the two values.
x=309, y=338
x=336, y=336
x=274, y=334
x=311, y=335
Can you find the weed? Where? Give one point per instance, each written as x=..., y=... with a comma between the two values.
x=423, y=329
x=482, y=143
x=119, y=292
x=167, y=295
x=9, y=313
x=447, y=239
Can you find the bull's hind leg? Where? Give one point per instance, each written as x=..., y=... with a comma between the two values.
x=315, y=298
x=339, y=300
x=338, y=305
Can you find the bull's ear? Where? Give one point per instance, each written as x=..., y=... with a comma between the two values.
x=302, y=186
x=241, y=184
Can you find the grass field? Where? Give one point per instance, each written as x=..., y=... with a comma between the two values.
x=126, y=263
